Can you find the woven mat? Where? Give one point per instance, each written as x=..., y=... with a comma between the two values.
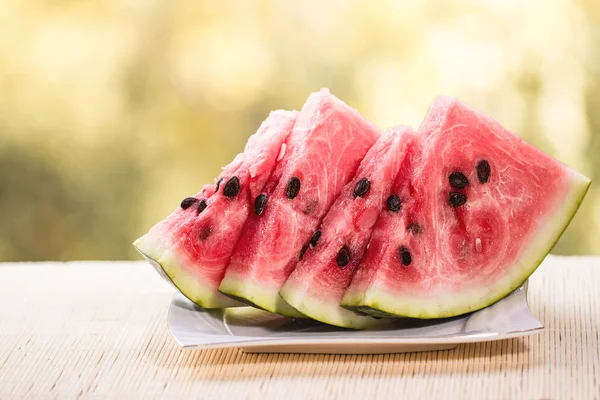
x=98, y=330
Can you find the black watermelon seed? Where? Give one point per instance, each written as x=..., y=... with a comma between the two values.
x=219, y=184
x=310, y=208
x=232, y=187
x=260, y=203
x=188, y=202
x=458, y=180
x=205, y=233
x=457, y=199
x=293, y=188
x=304, y=248
x=414, y=228
x=202, y=206
x=405, y=256
x=394, y=203
x=483, y=171
x=315, y=238
x=362, y=188
x=343, y=257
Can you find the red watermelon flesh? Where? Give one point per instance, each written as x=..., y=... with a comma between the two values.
x=194, y=244
x=162, y=232
x=318, y=283
x=324, y=150
x=489, y=206
x=401, y=221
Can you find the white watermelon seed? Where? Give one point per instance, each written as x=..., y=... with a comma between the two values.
x=282, y=152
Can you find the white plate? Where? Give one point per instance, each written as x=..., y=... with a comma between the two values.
x=262, y=332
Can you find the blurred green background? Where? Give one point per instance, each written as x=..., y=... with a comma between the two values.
x=112, y=111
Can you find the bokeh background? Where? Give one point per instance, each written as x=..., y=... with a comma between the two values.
x=112, y=111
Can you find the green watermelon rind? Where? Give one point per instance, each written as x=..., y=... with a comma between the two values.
x=329, y=313
x=258, y=296
x=378, y=301
x=189, y=285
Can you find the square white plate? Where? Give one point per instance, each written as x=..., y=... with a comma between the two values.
x=259, y=331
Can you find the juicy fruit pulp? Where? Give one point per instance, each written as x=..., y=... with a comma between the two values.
x=317, y=285
x=490, y=207
x=193, y=245
x=328, y=142
x=429, y=226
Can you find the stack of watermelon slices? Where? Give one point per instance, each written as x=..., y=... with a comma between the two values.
x=323, y=216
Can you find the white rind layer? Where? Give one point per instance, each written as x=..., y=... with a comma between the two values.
x=328, y=312
x=190, y=285
x=379, y=298
x=261, y=296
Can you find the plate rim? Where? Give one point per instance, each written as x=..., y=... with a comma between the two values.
x=414, y=341
x=247, y=342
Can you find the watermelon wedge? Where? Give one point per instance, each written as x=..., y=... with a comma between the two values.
x=318, y=283
x=323, y=152
x=193, y=245
x=488, y=207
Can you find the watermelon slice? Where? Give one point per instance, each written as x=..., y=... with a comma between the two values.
x=324, y=150
x=318, y=283
x=488, y=207
x=193, y=245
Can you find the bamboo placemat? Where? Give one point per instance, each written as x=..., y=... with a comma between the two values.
x=98, y=330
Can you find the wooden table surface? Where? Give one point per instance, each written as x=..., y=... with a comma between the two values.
x=98, y=330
